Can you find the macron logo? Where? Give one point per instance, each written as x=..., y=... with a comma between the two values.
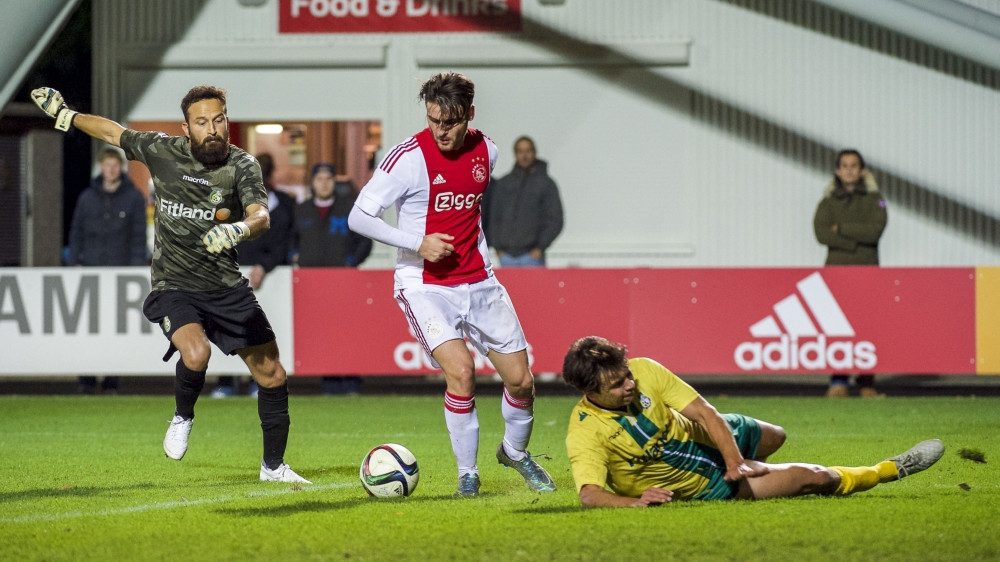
x=200, y=181
x=798, y=332
x=438, y=180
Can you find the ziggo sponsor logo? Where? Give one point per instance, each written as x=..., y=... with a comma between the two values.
x=450, y=201
x=410, y=356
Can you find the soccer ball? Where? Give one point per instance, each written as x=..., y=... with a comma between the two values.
x=389, y=471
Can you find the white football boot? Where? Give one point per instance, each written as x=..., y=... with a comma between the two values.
x=175, y=444
x=283, y=473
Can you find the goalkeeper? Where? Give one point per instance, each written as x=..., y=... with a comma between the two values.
x=209, y=196
x=641, y=436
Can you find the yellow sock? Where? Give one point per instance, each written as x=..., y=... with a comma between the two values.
x=887, y=471
x=856, y=479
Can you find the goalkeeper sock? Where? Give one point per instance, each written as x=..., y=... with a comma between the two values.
x=855, y=479
x=518, y=418
x=187, y=388
x=272, y=407
x=462, y=420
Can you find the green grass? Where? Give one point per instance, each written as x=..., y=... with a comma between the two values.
x=84, y=478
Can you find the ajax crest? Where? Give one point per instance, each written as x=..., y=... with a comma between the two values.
x=479, y=173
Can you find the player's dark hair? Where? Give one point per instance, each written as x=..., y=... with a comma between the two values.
x=841, y=154
x=199, y=93
x=451, y=91
x=589, y=359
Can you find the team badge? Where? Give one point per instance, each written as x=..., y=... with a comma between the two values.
x=166, y=324
x=434, y=329
x=479, y=172
x=216, y=197
x=645, y=401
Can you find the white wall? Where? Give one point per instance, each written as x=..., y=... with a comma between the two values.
x=655, y=120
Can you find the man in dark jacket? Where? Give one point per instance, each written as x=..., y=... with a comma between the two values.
x=522, y=212
x=108, y=229
x=323, y=239
x=109, y=222
x=849, y=221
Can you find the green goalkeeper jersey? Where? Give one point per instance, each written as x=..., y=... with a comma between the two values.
x=189, y=199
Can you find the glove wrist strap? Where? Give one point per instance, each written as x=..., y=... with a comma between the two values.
x=64, y=119
x=243, y=229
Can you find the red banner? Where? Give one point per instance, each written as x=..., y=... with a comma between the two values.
x=380, y=16
x=695, y=321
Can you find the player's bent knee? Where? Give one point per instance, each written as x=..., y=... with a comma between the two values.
x=269, y=376
x=196, y=357
x=771, y=439
x=820, y=479
x=523, y=388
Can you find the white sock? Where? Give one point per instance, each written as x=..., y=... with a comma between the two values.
x=463, y=427
x=518, y=417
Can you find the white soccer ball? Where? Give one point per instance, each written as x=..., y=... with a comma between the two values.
x=389, y=471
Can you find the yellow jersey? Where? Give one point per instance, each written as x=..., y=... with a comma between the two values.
x=650, y=444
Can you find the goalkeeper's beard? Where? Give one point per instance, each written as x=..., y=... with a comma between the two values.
x=211, y=153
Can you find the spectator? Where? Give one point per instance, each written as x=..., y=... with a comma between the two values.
x=323, y=240
x=522, y=213
x=849, y=221
x=264, y=254
x=108, y=229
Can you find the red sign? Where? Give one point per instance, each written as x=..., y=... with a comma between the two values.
x=379, y=16
x=837, y=319
x=694, y=321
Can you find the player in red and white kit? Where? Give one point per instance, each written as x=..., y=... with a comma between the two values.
x=444, y=280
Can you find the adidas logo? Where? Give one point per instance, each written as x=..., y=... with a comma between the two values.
x=799, y=329
x=438, y=180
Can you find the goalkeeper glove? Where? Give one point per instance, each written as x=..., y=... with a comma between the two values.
x=51, y=101
x=225, y=236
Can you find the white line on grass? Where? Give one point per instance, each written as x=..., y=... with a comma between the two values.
x=169, y=505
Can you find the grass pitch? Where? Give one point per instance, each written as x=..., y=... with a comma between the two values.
x=85, y=478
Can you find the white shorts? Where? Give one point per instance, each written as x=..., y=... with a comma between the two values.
x=480, y=312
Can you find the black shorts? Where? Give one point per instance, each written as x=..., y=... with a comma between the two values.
x=231, y=318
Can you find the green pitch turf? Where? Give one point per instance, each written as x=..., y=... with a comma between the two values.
x=85, y=478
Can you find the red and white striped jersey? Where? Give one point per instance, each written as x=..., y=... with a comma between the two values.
x=436, y=192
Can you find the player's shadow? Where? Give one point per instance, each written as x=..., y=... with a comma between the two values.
x=72, y=491
x=315, y=506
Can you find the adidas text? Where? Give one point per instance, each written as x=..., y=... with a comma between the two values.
x=790, y=354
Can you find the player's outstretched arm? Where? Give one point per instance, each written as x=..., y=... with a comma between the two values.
x=596, y=496
x=708, y=417
x=51, y=102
